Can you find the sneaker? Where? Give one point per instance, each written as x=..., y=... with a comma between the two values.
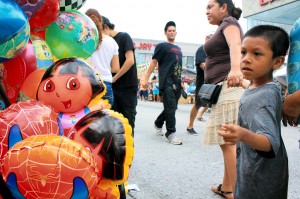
x=191, y=131
x=158, y=131
x=173, y=139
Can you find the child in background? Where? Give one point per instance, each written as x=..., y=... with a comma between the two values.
x=262, y=162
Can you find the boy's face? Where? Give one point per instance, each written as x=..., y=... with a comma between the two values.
x=257, y=63
x=171, y=33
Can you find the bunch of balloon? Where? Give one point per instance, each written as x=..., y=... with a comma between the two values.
x=72, y=34
x=293, y=67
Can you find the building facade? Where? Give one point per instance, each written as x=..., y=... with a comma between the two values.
x=144, y=50
x=283, y=13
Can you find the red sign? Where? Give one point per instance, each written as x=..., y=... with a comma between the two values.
x=144, y=46
x=264, y=2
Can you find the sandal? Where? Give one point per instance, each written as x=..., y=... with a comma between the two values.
x=201, y=119
x=224, y=194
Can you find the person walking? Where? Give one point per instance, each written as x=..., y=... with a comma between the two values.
x=125, y=81
x=222, y=65
x=105, y=59
x=143, y=90
x=155, y=89
x=168, y=56
x=262, y=161
x=200, y=66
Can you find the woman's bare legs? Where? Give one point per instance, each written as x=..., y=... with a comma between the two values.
x=202, y=111
x=229, y=155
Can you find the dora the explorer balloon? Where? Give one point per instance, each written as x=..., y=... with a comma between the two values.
x=70, y=86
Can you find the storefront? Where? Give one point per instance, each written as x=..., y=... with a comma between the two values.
x=281, y=13
x=144, y=50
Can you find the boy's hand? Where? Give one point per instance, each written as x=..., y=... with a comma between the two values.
x=231, y=133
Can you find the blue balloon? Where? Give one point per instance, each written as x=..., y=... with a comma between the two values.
x=15, y=29
x=293, y=66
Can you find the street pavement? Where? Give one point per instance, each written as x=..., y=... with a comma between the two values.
x=165, y=171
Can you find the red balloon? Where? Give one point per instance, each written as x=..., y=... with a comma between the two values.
x=16, y=70
x=40, y=33
x=45, y=15
x=24, y=119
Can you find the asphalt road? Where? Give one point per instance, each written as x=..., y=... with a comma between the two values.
x=165, y=171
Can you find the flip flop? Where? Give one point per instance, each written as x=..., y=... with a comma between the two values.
x=201, y=119
x=224, y=194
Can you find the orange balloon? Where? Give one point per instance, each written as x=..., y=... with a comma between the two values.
x=30, y=85
x=45, y=166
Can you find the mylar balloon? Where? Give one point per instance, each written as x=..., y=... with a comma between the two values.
x=45, y=15
x=14, y=28
x=108, y=135
x=49, y=167
x=73, y=34
x=24, y=119
x=69, y=85
x=66, y=5
x=30, y=6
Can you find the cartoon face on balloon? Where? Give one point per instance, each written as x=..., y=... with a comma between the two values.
x=68, y=86
x=107, y=134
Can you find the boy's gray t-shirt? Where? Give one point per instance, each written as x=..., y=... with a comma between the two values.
x=262, y=174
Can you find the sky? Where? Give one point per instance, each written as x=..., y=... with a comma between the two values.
x=146, y=19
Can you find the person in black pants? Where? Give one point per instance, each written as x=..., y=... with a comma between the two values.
x=200, y=66
x=125, y=82
x=168, y=56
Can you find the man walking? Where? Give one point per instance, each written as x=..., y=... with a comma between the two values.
x=125, y=82
x=168, y=56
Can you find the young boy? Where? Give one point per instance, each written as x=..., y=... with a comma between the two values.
x=262, y=163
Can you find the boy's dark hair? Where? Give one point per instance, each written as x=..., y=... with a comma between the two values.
x=278, y=38
x=232, y=10
x=170, y=23
x=107, y=22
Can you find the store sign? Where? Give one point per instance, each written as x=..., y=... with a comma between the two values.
x=144, y=46
x=264, y=2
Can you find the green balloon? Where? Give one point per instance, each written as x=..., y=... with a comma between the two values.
x=72, y=34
